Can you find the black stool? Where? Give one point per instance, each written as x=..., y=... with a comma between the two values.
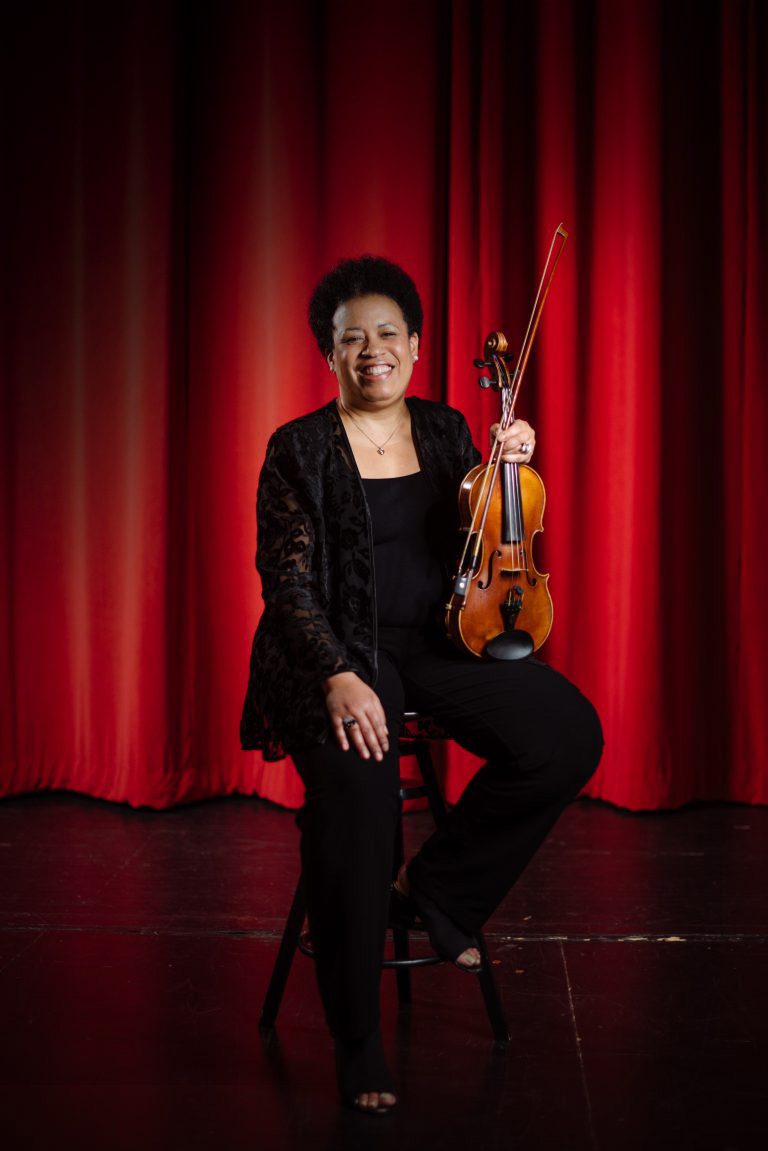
x=416, y=735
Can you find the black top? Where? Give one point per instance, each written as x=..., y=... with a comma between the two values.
x=316, y=566
x=406, y=560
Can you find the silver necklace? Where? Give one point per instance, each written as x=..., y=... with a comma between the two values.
x=379, y=447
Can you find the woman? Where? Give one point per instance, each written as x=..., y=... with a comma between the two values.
x=357, y=502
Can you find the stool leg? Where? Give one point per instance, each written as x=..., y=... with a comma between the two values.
x=490, y=991
x=402, y=974
x=281, y=970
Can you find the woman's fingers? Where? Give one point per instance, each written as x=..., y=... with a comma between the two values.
x=341, y=732
x=369, y=734
x=357, y=716
x=518, y=441
x=365, y=740
x=363, y=736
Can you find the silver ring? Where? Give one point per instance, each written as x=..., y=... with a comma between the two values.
x=525, y=448
x=349, y=721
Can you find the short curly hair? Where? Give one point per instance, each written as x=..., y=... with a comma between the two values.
x=364, y=276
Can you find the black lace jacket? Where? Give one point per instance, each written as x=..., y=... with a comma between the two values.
x=315, y=558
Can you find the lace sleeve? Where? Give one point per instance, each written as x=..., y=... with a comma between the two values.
x=468, y=457
x=285, y=559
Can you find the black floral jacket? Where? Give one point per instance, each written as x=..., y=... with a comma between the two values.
x=315, y=558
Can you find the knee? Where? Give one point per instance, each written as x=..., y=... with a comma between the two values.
x=564, y=748
x=580, y=745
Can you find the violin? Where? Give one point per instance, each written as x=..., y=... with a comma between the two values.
x=500, y=606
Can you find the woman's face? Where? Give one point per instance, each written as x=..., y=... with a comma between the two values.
x=372, y=352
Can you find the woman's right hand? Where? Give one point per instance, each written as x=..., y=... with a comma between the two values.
x=349, y=697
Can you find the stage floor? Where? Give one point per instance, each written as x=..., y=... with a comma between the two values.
x=135, y=948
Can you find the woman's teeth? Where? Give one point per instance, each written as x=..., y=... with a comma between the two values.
x=376, y=370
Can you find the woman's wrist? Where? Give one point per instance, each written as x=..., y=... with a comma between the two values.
x=337, y=679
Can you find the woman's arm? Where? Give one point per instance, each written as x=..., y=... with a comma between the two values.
x=286, y=563
x=285, y=559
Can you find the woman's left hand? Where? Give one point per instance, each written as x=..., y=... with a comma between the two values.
x=519, y=442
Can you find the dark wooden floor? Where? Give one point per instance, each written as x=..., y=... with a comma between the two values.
x=135, y=948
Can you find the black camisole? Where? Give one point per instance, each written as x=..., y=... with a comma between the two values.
x=409, y=579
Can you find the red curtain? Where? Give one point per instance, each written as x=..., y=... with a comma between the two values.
x=177, y=177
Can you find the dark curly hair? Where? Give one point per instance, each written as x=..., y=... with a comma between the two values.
x=365, y=276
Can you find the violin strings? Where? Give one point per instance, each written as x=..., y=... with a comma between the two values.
x=520, y=525
x=507, y=408
x=484, y=499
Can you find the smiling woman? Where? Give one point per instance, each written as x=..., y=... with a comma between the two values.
x=356, y=521
x=373, y=358
x=374, y=352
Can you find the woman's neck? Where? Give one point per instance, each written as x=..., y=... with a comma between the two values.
x=370, y=414
x=382, y=449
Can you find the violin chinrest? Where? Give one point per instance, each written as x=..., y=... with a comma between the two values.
x=510, y=645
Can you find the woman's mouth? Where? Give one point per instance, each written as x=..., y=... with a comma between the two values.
x=375, y=371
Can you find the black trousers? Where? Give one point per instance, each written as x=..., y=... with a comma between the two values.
x=542, y=741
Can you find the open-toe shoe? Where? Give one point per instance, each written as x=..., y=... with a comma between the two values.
x=446, y=937
x=361, y=1069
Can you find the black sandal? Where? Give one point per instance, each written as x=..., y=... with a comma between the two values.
x=361, y=1069
x=446, y=937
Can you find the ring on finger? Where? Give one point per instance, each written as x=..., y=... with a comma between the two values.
x=349, y=721
x=525, y=449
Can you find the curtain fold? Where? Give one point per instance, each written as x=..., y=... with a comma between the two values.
x=176, y=180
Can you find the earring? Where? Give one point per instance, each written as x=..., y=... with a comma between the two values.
x=330, y=366
x=415, y=358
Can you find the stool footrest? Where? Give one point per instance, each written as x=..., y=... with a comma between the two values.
x=305, y=947
x=417, y=961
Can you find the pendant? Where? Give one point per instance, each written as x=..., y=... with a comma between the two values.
x=380, y=451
